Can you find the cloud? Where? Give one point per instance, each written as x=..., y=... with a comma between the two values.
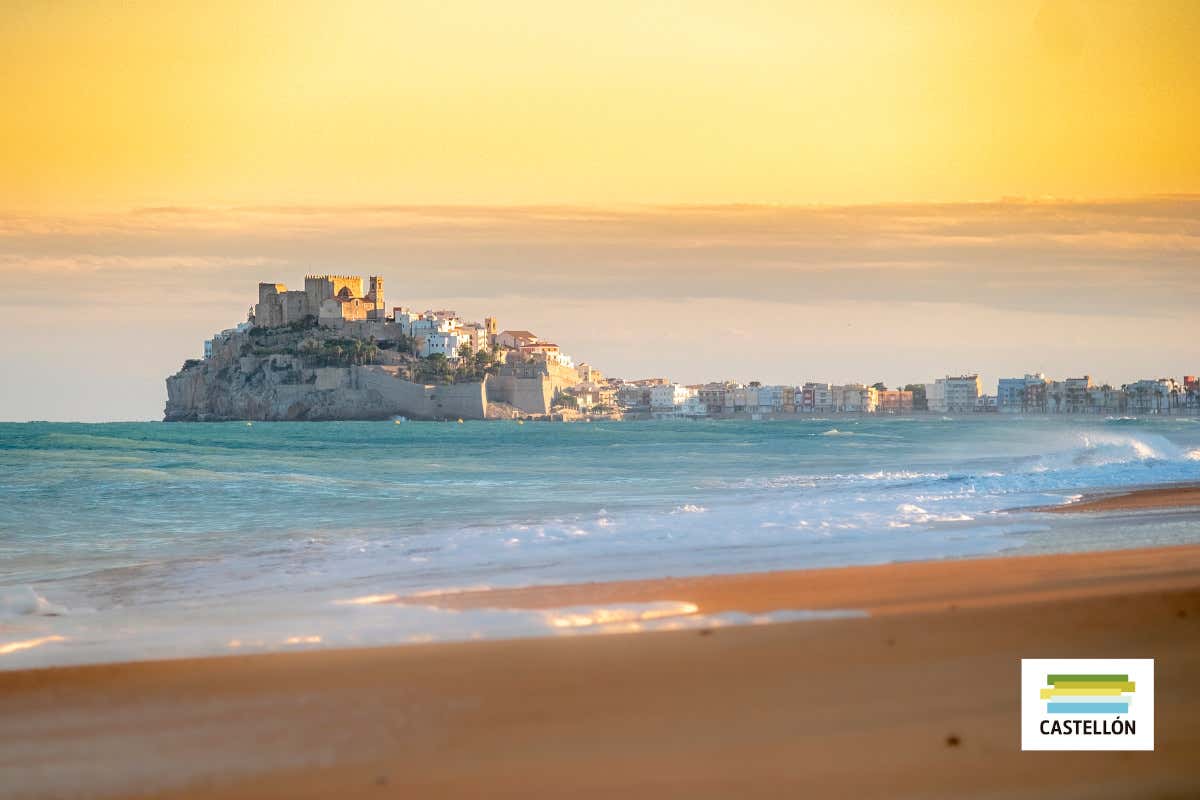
x=1007, y=254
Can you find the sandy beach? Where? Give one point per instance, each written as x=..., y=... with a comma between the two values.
x=920, y=699
x=1137, y=500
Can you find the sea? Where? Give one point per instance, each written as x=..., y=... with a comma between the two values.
x=129, y=541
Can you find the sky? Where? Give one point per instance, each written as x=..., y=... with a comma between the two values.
x=780, y=191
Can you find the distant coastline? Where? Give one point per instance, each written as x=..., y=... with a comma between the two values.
x=333, y=351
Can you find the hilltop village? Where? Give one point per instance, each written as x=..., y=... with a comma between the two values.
x=335, y=351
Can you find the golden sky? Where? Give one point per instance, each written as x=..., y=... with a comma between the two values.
x=797, y=182
x=121, y=105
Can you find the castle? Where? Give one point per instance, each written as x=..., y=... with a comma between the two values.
x=330, y=299
x=287, y=361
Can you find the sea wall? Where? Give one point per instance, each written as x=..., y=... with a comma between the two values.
x=532, y=395
x=447, y=401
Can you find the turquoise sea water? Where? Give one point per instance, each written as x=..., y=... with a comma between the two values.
x=151, y=539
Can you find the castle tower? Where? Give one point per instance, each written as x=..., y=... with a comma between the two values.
x=269, y=290
x=375, y=295
x=268, y=311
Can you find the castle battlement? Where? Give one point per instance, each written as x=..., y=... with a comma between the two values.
x=331, y=299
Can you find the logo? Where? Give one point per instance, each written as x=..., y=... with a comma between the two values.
x=1087, y=704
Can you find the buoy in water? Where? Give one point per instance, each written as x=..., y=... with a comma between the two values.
x=460, y=422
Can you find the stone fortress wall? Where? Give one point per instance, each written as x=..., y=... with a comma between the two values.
x=533, y=395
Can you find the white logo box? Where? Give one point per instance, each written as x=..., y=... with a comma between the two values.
x=1085, y=717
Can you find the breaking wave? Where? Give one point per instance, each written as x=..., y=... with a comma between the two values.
x=263, y=519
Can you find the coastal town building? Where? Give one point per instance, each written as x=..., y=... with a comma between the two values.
x=919, y=401
x=516, y=339
x=1069, y=396
x=817, y=398
x=986, y=404
x=954, y=394
x=442, y=332
x=547, y=352
x=962, y=393
x=1037, y=394
x=777, y=399
x=428, y=325
x=592, y=395
x=1153, y=396
x=935, y=396
x=340, y=302
x=445, y=343
x=589, y=374
x=806, y=398
x=224, y=336
x=895, y=401
x=668, y=397
x=692, y=407
x=855, y=398
x=1022, y=395
x=712, y=395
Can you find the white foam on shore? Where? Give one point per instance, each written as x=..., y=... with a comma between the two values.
x=287, y=625
x=20, y=601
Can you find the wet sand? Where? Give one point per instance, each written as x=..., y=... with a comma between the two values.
x=881, y=590
x=918, y=700
x=1137, y=500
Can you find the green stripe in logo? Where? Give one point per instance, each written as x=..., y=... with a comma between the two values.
x=1055, y=680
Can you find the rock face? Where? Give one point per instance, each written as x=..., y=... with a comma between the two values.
x=232, y=385
x=276, y=388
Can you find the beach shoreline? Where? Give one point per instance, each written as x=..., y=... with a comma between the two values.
x=1149, y=498
x=910, y=587
x=927, y=684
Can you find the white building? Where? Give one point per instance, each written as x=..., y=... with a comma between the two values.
x=750, y=393
x=446, y=343
x=241, y=327
x=822, y=398
x=954, y=394
x=770, y=399
x=404, y=319
x=692, y=407
x=935, y=396
x=424, y=326
x=1153, y=396
x=669, y=397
